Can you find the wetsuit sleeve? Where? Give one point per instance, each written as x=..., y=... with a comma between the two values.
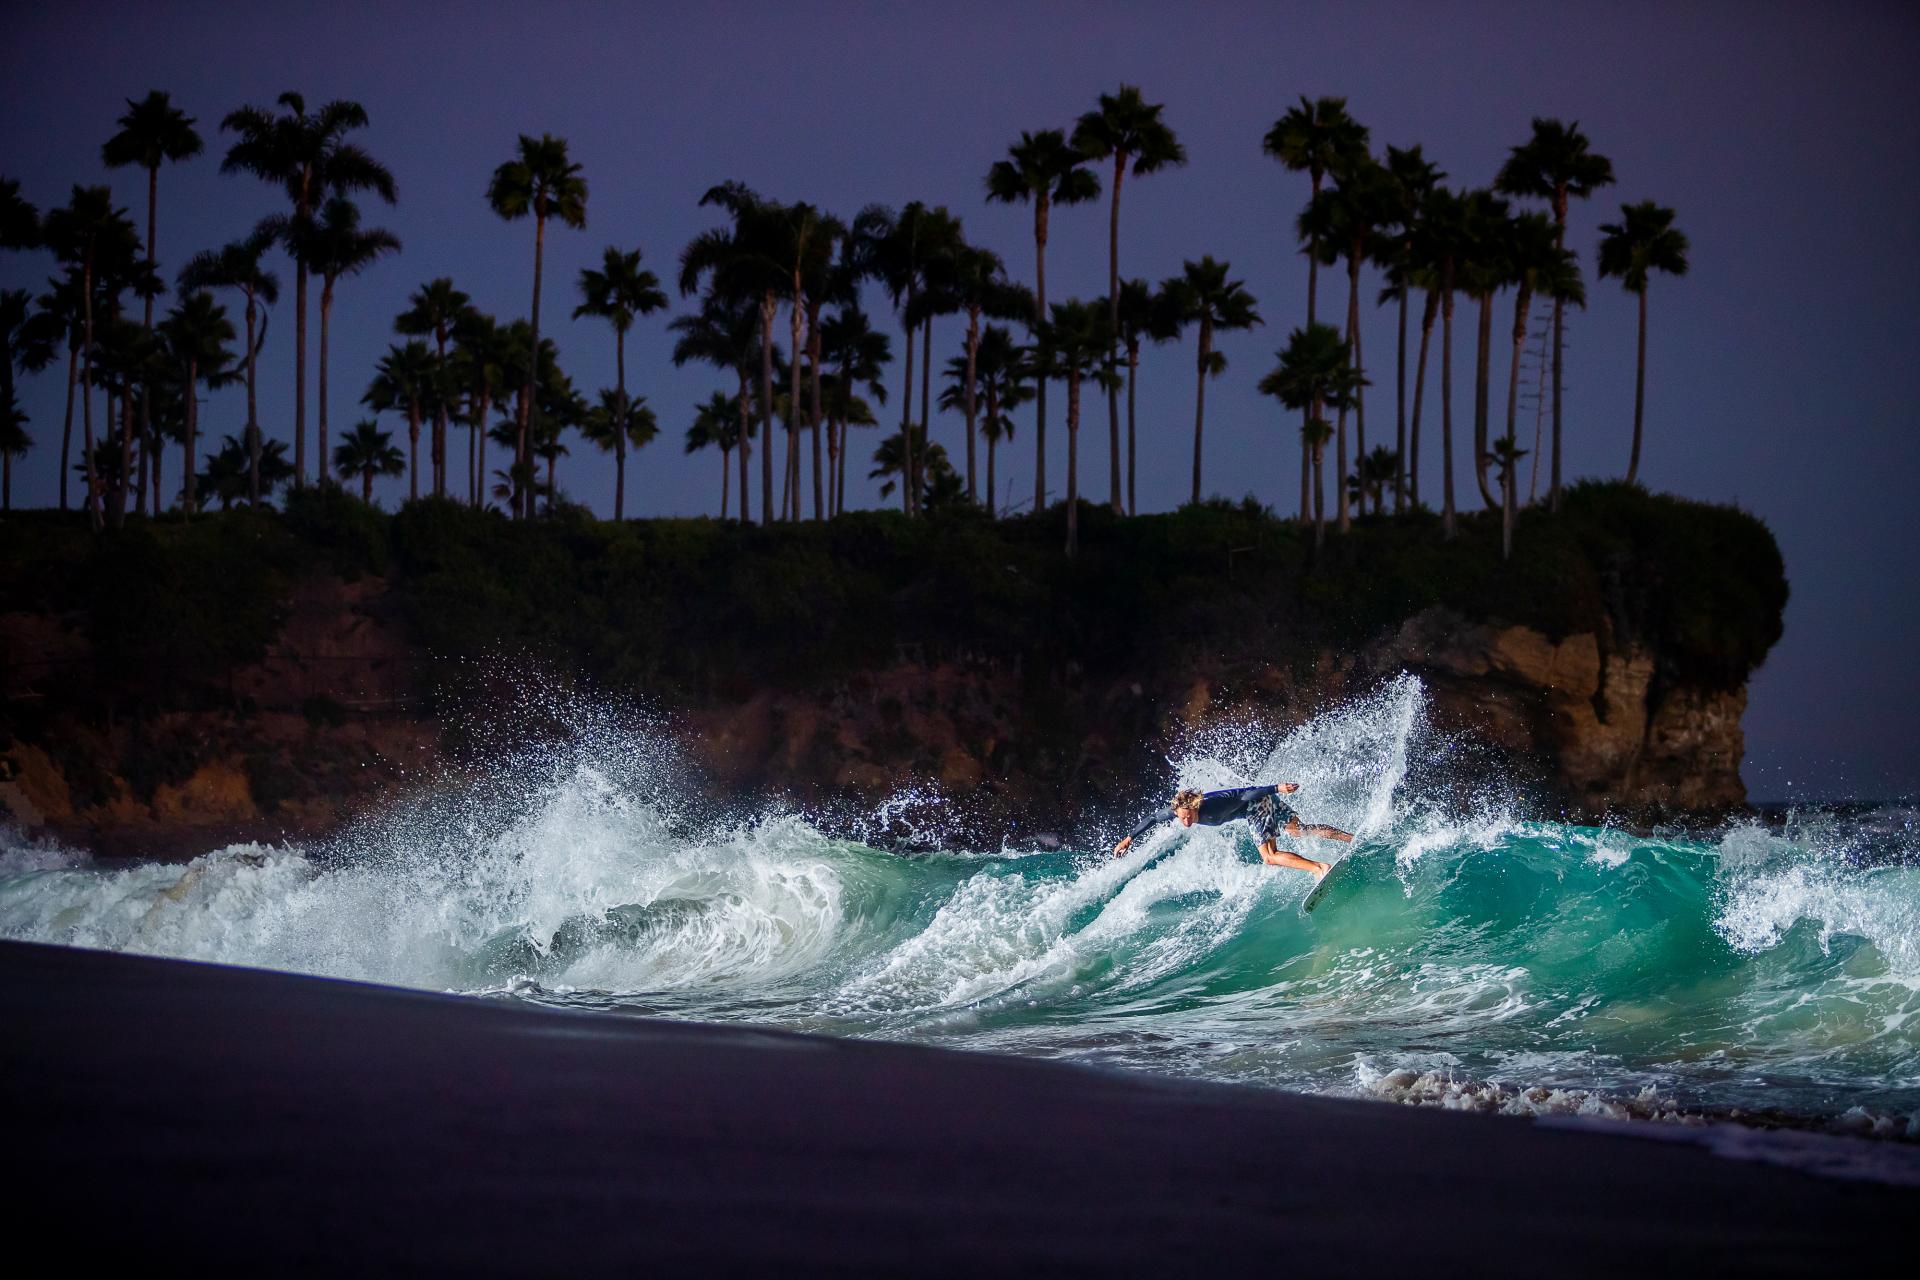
x=1150, y=822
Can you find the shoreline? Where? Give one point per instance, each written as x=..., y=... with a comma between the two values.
x=312, y=1124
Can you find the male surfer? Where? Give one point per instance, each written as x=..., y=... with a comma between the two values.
x=1263, y=811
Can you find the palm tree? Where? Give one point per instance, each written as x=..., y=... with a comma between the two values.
x=901, y=251
x=1506, y=458
x=1444, y=241
x=436, y=308
x=89, y=234
x=819, y=273
x=975, y=281
x=744, y=262
x=726, y=332
x=237, y=266
x=850, y=344
x=1043, y=170
x=309, y=157
x=152, y=132
x=940, y=485
x=1313, y=373
x=19, y=220
x=1554, y=164
x=558, y=408
x=1631, y=250
x=540, y=180
x=1371, y=476
x=481, y=365
x=1344, y=223
x=1144, y=316
x=1535, y=257
x=1076, y=337
x=716, y=423
x=367, y=451
x=1203, y=296
x=403, y=382
x=62, y=307
x=1484, y=267
x=196, y=333
x=225, y=479
x=332, y=245
x=620, y=290
x=1412, y=179
x=1125, y=129
x=619, y=422
x=1313, y=138
x=1004, y=383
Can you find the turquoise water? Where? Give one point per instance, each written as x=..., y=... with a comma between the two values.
x=1470, y=956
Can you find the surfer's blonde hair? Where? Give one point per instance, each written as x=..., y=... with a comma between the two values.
x=1187, y=799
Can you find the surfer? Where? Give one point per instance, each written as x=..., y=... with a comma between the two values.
x=1264, y=812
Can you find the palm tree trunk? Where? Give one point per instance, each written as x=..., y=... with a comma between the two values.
x=1113, y=332
x=973, y=366
x=440, y=420
x=813, y=410
x=993, y=415
x=1306, y=466
x=1553, y=495
x=193, y=438
x=253, y=417
x=1133, y=370
x=300, y=374
x=326, y=316
x=146, y=322
x=1040, y=210
x=726, y=480
x=769, y=305
x=66, y=431
x=1313, y=256
x=159, y=465
x=413, y=452
x=1639, y=392
x=477, y=450
x=126, y=456
x=1354, y=357
x=1073, y=463
x=1482, y=371
x=926, y=416
x=366, y=485
x=793, y=403
x=1427, y=315
x=1319, y=496
x=522, y=455
x=86, y=393
x=1446, y=411
x=906, y=403
x=745, y=399
x=1400, y=410
x=1522, y=307
x=1200, y=404
x=620, y=427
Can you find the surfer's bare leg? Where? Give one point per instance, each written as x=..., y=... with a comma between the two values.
x=1296, y=830
x=1274, y=856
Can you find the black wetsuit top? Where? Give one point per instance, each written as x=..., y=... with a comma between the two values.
x=1258, y=805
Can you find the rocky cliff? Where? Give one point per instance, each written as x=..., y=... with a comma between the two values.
x=1607, y=681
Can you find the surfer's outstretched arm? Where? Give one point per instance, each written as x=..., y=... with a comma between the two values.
x=1145, y=825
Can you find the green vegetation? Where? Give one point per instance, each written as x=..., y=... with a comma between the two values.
x=693, y=609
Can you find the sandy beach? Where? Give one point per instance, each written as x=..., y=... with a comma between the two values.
x=230, y=1117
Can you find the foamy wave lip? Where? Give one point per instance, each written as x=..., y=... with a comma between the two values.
x=21, y=854
x=1440, y=1089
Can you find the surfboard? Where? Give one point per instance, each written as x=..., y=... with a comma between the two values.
x=1326, y=882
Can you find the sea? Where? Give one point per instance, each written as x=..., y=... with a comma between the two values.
x=1471, y=953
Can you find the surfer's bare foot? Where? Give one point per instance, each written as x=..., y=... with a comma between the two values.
x=1320, y=870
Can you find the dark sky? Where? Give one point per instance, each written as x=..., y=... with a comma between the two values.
x=1780, y=372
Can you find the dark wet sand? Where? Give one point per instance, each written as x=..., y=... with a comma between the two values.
x=170, y=1114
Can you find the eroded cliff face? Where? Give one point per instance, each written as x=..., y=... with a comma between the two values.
x=334, y=721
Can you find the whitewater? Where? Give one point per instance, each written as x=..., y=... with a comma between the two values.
x=1473, y=956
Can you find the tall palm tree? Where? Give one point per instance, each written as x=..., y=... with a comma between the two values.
x=62, y=307
x=367, y=452
x=618, y=292
x=744, y=261
x=727, y=332
x=1535, y=257
x=716, y=422
x=1346, y=222
x=1002, y=370
x=541, y=180
x=1446, y=241
x=481, y=366
x=1483, y=269
x=1554, y=164
x=901, y=252
x=92, y=237
x=1312, y=374
x=1312, y=138
x=1413, y=178
x=403, y=382
x=196, y=333
x=1044, y=170
x=308, y=156
x=619, y=422
x=1127, y=130
x=859, y=352
x=1076, y=338
x=975, y=280
x=1631, y=250
x=1203, y=296
x=820, y=273
x=331, y=245
x=237, y=265
x=558, y=408
x=436, y=309
x=1145, y=316
x=152, y=132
